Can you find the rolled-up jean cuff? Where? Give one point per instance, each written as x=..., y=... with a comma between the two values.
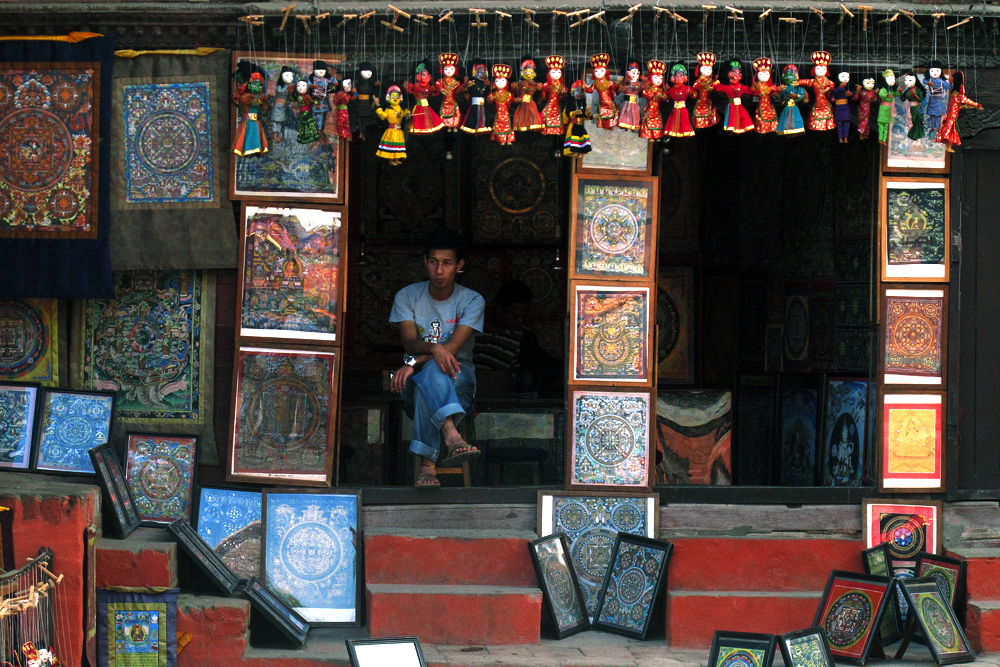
x=450, y=410
x=420, y=449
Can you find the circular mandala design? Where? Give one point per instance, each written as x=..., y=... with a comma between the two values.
x=560, y=585
x=75, y=432
x=904, y=535
x=913, y=334
x=739, y=659
x=848, y=619
x=21, y=350
x=626, y=517
x=39, y=150
x=668, y=322
x=63, y=203
x=796, y=328
x=540, y=282
x=311, y=551
x=65, y=96
x=573, y=516
x=631, y=585
x=610, y=440
x=167, y=142
x=591, y=553
x=942, y=576
x=543, y=222
x=489, y=151
x=268, y=419
x=160, y=478
x=613, y=229
x=517, y=185
x=490, y=222
x=937, y=621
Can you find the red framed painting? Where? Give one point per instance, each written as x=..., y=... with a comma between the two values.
x=612, y=335
x=908, y=528
x=914, y=336
x=851, y=611
x=912, y=448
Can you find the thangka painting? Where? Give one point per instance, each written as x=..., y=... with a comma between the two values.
x=694, y=437
x=287, y=170
x=912, y=442
x=560, y=587
x=949, y=573
x=941, y=630
x=914, y=334
x=611, y=334
x=806, y=648
x=851, y=611
x=904, y=154
x=915, y=231
x=72, y=423
x=135, y=628
x=741, y=649
x=610, y=441
x=591, y=522
x=29, y=340
x=613, y=231
x=846, y=432
x=797, y=328
x=18, y=409
x=161, y=471
x=907, y=528
x=632, y=585
x=615, y=152
x=283, y=419
x=291, y=274
x=675, y=321
x=799, y=424
x=229, y=521
x=310, y=554
x=49, y=133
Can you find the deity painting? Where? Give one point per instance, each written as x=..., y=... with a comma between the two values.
x=613, y=234
x=914, y=336
x=29, y=340
x=845, y=438
x=912, y=441
x=161, y=470
x=230, y=523
x=915, y=230
x=799, y=434
x=610, y=443
x=611, y=335
x=291, y=274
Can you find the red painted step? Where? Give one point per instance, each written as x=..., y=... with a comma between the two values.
x=147, y=557
x=456, y=615
x=450, y=557
x=694, y=616
x=982, y=573
x=218, y=628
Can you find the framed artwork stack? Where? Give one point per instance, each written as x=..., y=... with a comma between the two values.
x=850, y=612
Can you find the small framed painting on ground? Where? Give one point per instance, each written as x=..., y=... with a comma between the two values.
x=912, y=457
x=118, y=501
x=806, y=648
x=632, y=585
x=950, y=573
x=612, y=335
x=72, y=423
x=915, y=229
x=268, y=613
x=741, y=649
x=18, y=421
x=934, y=616
x=560, y=587
x=610, y=439
x=851, y=613
x=914, y=336
x=161, y=471
x=395, y=651
x=229, y=521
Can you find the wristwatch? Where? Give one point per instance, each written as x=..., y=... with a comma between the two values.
x=409, y=360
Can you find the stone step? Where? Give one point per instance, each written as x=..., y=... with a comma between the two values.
x=218, y=628
x=147, y=557
x=449, y=557
x=982, y=578
x=466, y=615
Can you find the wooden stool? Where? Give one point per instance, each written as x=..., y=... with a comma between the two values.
x=462, y=470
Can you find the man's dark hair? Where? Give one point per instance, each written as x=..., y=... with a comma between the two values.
x=514, y=291
x=444, y=238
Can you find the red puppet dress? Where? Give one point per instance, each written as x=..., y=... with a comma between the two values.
x=821, y=116
x=340, y=103
x=629, y=114
x=948, y=134
x=705, y=113
x=764, y=90
x=554, y=91
x=865, y=98
x=738, y=118
x=424, y=120
x=652, y=120
x=449, y=87
x=679, y=122
x=606, y=90
x=526, y=116
x=503, y=131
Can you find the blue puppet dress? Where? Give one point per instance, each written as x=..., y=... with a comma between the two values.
x=251, y=138
x=841, y=111
x=790, y=119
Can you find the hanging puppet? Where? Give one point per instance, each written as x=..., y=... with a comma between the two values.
x=253, y=102
x=886, y=93
x=790, y=120
x=449, y=87
x=865, y=94
x=765, y=91
x=912, y=93
x=575, y=112
x=366, y=87
x=554, y=91
x=500, y=98
x=279, y=103
x=841, y=95
x=606, y=90
x=423, y=120
x=679, y=122
x=629, y=113
x=936, y=100
x=477, y=119
x=820, y=117
x=738, y=118
x=319, y=83
x=526, y=116
x=705, y=113
x=341, y=100
x=393, y=144
x=948, y=134
x=302, y=105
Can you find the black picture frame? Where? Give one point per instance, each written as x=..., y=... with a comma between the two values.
x=553, y=564
x=35, y=390
x=933, y=616
x=724, y=640
x=956, y=592
x=843, y=591
x=877, y=560
x=189, y=486
x=218, y=574
x=37, y=464
x=269, y=613
x=385, y=651
x=116, y=495
x=821, y=655
x=652, y=603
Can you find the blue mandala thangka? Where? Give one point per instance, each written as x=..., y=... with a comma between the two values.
x=72, y=424
x=611, y=438
x=634, y=575
x=17, y=414
x=223, y=512
x=168, y=143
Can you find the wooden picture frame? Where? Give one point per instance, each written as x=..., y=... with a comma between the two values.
x=846, y=422
x=248, y=177
x=859, y=599
x=229, y=520
x=632, y=585
x=907, y=232
x=914, y=333
x=931, y=612
x=912, y=447
x=65, y=450
x=218, y=574
x=117, y=498
x=162, y=471
x=806, y=648
x=395, y=651
x=676, y=325
x=610, y=439
x=270, y=615
x=280, y=259
x=747, y=649
x=605, y=318
x=561, y=592
x=613, y=227
x=931, y=158
x=615, y=152
x=258, y=433
x=800, y=428
x=916, y=524
x=950, y=573
x=19, y=403
x=332, y=593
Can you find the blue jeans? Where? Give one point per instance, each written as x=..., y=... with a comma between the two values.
x=434, y=397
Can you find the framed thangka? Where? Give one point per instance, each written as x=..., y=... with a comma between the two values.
x=914, y=329
x=560, y=587
x=942, y=632
x=591, y=522
x=806, y=648
x=613, y=232
x=797, y=328
x=845, y=430
x=851, y=613
x=632, y=585
x=612, y=331
x=71, y=424
x=675, y=322
x=50, y=113
x=799, y=401
x=288, y=170
x=229, y=521
x=949, y=572
x=609, y=442
x=291, y=274
x=161, y=471
x=615, y=153
x=908, y=528
x=915, y=229
x=135, y=627
x=901, y=153
x=18, y=421
x=30, y=340
x=283, y=420
x=741, y=649
x=912, y=442
x=310, y=557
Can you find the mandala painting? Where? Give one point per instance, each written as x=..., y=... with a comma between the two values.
x=229, y=522
x=310, y=556
x=912, y=441
x=72, y=423
x=613, y=234
x=807, y=650
x=285, y=409
x=168, y=132
x=946, y=576
x=29, y=340
x=915, y=230
x=675, y=320
x=914, y=336
x=161, y=470
x=907, y=528
x=845, y=437
x=797, y=328
x=937, y=620
x=291, y=274
x=48, y=160
x=18, y=405
x=850, y=608
x=146, y=344
x=799, y=425
x=550, y=556
x=630, y=589
x=740, y=657
x=611, y=334
x=610, y=443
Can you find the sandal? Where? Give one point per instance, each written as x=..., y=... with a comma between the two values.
x=458, y=454
x=426, y=480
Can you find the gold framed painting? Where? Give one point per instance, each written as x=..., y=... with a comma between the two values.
x=612, y=335
x=914, y=336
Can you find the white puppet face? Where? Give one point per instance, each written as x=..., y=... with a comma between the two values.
x=656, y=79
x=890, y=80
x=555, y=74
x=600, y=72
x=633, y=75
x=287, y=78
x=347, y=85
x=319, y=73
x=500, y=82
x=449, y=70
x=934, y=72
x=366, y=74
x=705, y=70
x=302, y=87
x=868, y=84
x=843, y=77
x=820, y=70
x=764, y=75
x=909, y=80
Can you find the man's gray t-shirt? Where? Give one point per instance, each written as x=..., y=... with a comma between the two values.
x=436, y=320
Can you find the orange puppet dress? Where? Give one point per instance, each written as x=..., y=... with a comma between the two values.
x=821, y=116
x=503, y=131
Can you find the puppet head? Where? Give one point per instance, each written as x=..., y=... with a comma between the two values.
x=599, y=61
x=501, y=74
x=287, y=76
x=365, y=69
x=320, y=70
x=555, y=65
x=480, y=72
x=821, y=63
x=578, y=92
x=844, y=77
x=394, y=95
x=422, y=75
x=790, y=75
x=763, y=67
x=528, y=69
x=302, y=86
x=633, y=72
x=347, y=85
x=735, y=72
x=868, y=83
x=256, y=84
x=706, y=63
x=449, y=63
x=889, y=77
x=935, y=69
x=909, y=80
x=678, y=73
